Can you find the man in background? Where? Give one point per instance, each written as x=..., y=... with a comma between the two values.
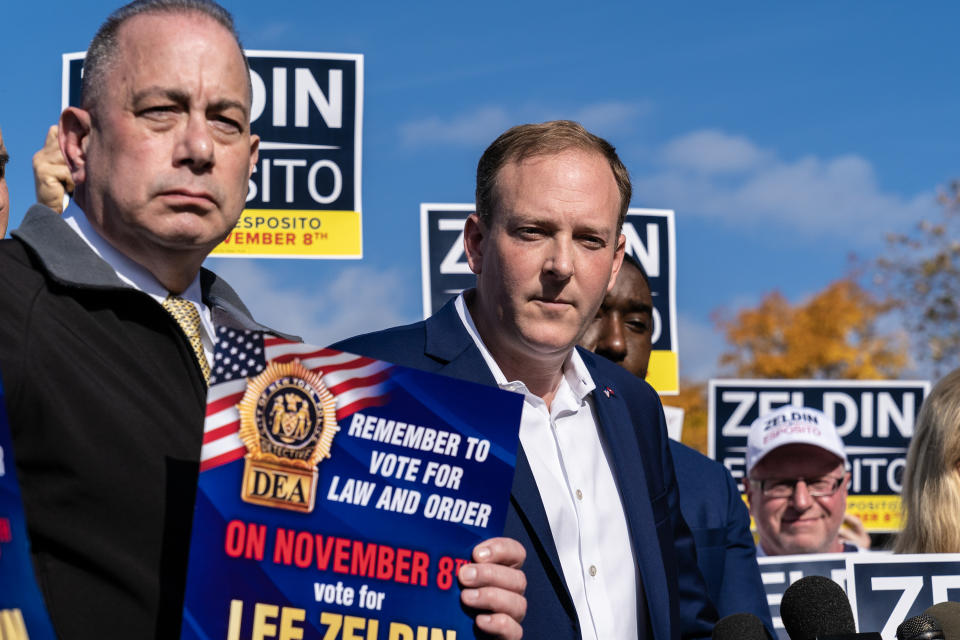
x=796, y=482
x=594, y=499
x=709, y=499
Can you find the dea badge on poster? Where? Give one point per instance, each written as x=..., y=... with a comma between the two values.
x=304, y=196
x=874, y=418
x=885, y=590
x=651, y=239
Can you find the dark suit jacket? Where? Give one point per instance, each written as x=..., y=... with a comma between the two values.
x=720, y=524
x=631, y=422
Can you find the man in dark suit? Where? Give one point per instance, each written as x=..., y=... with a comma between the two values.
x=709, y=499
x=594, y=500
x=107, y=320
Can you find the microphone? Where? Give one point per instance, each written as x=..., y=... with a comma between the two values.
x=814, y=607
x=948, y=615
x=740, y=626
x=921, y=627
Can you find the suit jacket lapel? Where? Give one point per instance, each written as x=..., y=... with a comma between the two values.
x=448, y=341
x=626, y=459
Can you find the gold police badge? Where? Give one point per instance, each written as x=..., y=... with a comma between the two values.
x=287, y=422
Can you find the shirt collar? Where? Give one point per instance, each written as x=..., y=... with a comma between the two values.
x=575, y=372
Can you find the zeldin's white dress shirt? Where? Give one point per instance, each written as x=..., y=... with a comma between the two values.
x=572, y=470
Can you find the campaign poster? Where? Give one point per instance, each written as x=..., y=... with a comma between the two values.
x=885, y=590
x=22, y=611
x=874, y=418
x=650, y=238
x=304, y=194
x=339, y=495
x=779, y=572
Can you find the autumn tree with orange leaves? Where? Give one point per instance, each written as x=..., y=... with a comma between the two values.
x=833, y=335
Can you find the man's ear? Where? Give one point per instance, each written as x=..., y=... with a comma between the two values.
x=474, y=238
x=746, y=490
x=75, y=126
x=617, y=261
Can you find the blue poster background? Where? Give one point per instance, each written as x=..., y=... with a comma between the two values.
x=779, y=572
x=215, y=579
x=887, y=590
x=18, y=587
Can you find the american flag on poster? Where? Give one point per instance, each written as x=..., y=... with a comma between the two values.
x=355, y=381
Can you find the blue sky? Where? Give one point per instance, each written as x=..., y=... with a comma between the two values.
x=785, y=136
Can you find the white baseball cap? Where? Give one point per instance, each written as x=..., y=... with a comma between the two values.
x=792, y=425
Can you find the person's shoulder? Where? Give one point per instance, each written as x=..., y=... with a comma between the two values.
x=18, y=271
x=690, y=457
x=387, y=344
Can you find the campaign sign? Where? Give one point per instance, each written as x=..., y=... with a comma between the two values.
x=874, y=418
x=22, y=612
x=885, y=590
x=650, y=238
x=339, y=495
x=304, y=195
x=779, y=572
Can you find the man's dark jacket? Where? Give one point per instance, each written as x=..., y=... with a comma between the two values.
x=720, y=523
x=673, y=600
x=106, y=404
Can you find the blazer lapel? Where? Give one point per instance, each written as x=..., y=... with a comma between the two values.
x=447, y=340
x=627, y=455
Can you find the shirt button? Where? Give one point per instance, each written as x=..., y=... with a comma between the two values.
x=579, y=494
x=593, y=570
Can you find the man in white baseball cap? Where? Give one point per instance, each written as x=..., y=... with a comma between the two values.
x=796, y=482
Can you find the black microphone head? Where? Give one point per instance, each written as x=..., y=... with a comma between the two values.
x=921, y=627
x=740, y=626
x=948, y=615
x=816, y=606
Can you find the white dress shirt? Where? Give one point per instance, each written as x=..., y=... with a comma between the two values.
x=137, y=276
x=579, y=493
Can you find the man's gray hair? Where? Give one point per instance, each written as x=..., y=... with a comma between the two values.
x=103, y=47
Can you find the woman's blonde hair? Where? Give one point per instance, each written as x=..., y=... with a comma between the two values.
x=931, y=479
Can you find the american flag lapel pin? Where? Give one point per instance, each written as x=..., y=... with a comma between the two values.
x=607, y=391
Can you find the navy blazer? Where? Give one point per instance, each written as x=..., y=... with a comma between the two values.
x=674, y=602
x=720, y=523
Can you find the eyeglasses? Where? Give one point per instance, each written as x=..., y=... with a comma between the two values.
x=786, y=487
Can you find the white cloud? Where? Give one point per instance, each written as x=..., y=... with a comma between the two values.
x=357, y=300
x=606, y=118
x=713, y=174
x=480, y=125
x=712, y=151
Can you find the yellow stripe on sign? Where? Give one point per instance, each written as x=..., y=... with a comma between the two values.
x=663, y=374
x=284, y=233
x=878, y=513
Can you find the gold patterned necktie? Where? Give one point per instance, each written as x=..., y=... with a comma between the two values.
x=187, y=317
